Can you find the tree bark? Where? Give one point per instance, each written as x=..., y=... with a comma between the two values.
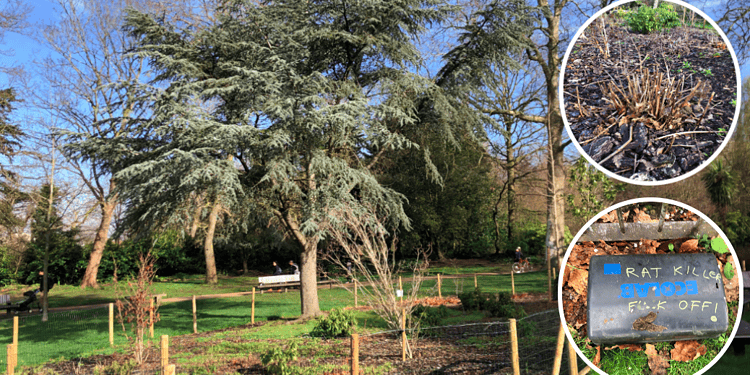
x=100, y=242
x=196, y=217
x=208, y=245
x=309, y=280
x=555, y=127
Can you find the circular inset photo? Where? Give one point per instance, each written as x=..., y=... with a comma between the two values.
x=649, y=95
x=650, y=286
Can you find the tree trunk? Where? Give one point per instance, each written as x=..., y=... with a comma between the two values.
x=100, y=241
x=208, y=245
x=511, y=181
x=555, y=162
x=309, y=280
x=196, y=217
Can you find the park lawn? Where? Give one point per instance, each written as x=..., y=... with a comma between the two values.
x=83, y=333
x=189, y=285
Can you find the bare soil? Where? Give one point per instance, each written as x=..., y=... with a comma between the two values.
x=634, y=144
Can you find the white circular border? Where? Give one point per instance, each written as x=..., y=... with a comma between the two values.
x=561, y=98
x=648, y=200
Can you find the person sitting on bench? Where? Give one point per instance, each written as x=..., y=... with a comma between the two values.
x=31, y=295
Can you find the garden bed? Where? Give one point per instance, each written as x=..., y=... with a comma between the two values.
x=649, y=106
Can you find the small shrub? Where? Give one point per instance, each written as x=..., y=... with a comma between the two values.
x=646, y=19
x=430, y=316
x=278, y=361
x=503, y=307
x=473, y=300
x=338, y=323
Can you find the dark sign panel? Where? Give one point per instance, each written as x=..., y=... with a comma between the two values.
x=646, y=298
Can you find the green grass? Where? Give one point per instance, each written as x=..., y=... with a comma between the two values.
x=83, y=333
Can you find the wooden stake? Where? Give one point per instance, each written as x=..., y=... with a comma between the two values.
x=355, y=354
x=744, y=269
x=512, y=281
x=252, y=309
x=15, y=330
x=572, y=358
x=171, y=370
x=12, y=351
x=401, y=288
x=514, y=348
x=440, y=293
x=559, y=351
x=151, y=319
x=111, y=324
x=195, y=315
x=475, y=281
x=554, y=273
x=164, y=352
x=355, y=293
x=403, y=335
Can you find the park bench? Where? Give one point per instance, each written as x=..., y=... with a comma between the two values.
x=285, y=281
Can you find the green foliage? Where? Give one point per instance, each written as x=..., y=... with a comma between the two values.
x=720, y=182
x=728, y=270
x=48, y=234
x=430, y=316
x=671, y=247
x=737, y=228
x=647, y=19
x=338, y=323
x=497, y=305
x=9, y=133
x=595, y=190
x=278, y=361
x=117, y=368
x=718, y=245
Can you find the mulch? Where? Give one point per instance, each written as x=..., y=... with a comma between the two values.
x=684, y=53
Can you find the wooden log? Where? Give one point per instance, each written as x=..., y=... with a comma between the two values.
x=440, y=293
x=111, y=324
x=355, y=354
x=151, y=319
x=164, y=352
x=514, y=348
x=403, y=335
x=252, y=309
x=559, y=351
x=195, y=315
x=15, y=330
x=572, y=357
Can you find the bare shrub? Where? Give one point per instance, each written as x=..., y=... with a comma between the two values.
x=362, y=239
x=659, y=102
x=134, y=306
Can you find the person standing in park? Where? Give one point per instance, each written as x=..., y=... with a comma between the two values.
x=295, y=267
x=276, y=269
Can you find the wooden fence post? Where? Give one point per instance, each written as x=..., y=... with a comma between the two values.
x=195, y=315
x=252, y=309
x=572, y=358
x=401, y=288
x=475, y=281
x=514, y=348
x=403, y=335
x=512, y=281
x=355, y=293
x=171, y=370
x=440, y=293
x=164, y=353
x=355, y=354
x=15, y=330
x=744, y=269
x=111, y=324
x=554, y=273
x=151, y=318
x=12, y=351
x=559, y=351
